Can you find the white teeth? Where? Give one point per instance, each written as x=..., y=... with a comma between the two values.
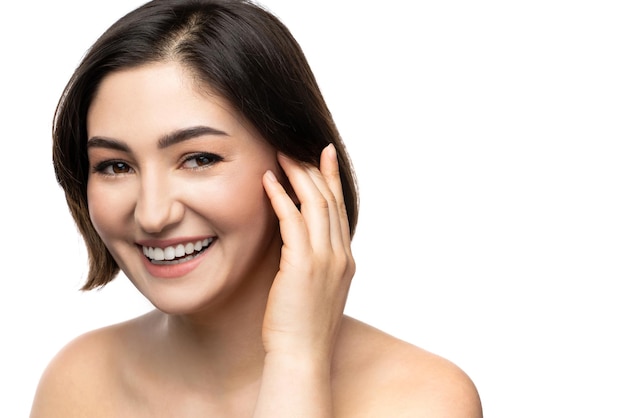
x=159, y=254
x=172, y=253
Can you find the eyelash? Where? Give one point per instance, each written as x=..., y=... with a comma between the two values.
x=211, y=160
x=106, y=167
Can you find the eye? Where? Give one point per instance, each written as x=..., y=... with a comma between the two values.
x=112, y=168
x=200, y=160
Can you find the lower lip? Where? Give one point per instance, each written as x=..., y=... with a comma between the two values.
x=174, y=271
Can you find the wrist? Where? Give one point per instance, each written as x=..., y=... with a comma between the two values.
x=299, y=363
x=295, y=384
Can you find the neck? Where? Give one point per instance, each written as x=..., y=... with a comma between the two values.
x=221, y=346
x=219, y=349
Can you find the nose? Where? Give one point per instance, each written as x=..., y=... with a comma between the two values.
x=157, y=206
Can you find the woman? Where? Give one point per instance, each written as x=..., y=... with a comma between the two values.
x=198, y=156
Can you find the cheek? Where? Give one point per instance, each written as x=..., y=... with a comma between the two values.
x=236, y=200
x=105, y=209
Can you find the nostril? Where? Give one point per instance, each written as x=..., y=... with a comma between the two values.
x=156, y=214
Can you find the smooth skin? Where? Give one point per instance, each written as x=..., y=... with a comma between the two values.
x=254, y=326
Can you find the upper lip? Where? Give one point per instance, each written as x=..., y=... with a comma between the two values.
x=172, y=242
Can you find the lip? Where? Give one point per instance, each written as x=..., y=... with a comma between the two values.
x=172, y=271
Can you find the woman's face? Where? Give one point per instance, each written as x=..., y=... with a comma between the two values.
x=175, y=188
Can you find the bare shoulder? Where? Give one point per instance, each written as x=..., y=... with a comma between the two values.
x=379, y=375
x=82, y=374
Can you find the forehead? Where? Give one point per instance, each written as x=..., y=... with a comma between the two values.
x=156, y=98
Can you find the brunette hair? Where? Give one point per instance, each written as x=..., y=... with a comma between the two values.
x=243, y=52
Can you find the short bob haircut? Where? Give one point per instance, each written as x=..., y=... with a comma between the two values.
x=235, y=47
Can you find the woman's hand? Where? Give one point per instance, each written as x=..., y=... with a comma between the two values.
x=307, y=299
x=306, y=302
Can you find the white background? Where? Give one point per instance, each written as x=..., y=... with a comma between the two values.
x=489, y=141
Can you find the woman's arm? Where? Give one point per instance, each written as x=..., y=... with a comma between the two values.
x=306, y=302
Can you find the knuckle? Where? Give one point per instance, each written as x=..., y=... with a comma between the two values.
x=332, y=201
x=294, y=218
x=350, y=267
x=341, y=206
x=321, y=202
x=345, y=264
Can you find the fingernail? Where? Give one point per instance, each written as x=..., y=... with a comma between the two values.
x=270, y=175
x=332, y=150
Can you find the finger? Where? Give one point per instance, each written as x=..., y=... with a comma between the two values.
x=292, y=227
x=334, y=213
x=329, y=167
x=314, y=204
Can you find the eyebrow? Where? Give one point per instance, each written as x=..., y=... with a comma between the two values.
x=188, y=133
x=165, y=141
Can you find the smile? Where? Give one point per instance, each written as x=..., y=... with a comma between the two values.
x=176, y=254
